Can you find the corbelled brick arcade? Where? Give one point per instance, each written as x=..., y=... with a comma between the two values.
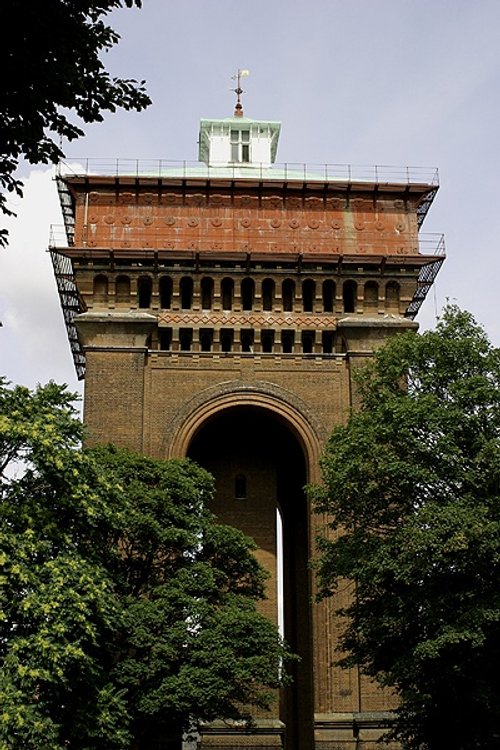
x=217, y=311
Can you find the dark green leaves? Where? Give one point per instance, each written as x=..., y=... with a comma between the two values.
x=193, y=644
x=126, y=611
x=51, y=70
x=413, y=486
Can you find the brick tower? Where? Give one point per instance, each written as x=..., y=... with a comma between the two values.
x=217, y=310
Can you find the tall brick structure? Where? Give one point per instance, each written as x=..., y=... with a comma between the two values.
x=218, y=311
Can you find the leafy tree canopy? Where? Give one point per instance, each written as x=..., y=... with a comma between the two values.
x=412, y=483
x=125, y=609
x=52, y=70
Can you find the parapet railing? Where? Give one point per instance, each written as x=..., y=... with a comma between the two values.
x=432, y=243
x=164, y=169
x=57, y=237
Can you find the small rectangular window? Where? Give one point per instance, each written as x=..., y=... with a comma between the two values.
x=165, y=339
x=240, y=487
x=307, y=342
x=267, y=340
x=240, y=146
x=246, y=336
x=226, y=339
x=185, y=339
x=287, y=341
x=328, y=340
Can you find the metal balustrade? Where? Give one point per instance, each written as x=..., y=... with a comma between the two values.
x=378, y=174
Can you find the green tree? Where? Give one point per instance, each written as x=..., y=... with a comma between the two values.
x=58, y=607
x=412, y=483
x=126, y=611
x=192, y=643
x=51, y=71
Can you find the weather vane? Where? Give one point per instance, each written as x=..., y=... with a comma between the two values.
x=238, y=110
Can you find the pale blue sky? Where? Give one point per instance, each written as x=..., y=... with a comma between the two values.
x=403, y=82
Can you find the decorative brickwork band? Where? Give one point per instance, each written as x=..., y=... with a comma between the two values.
x=247, y=319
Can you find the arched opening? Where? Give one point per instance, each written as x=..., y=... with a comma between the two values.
x=247, y=293
x=260, y=469
x=392, y=297
x=100, y=295
x=206, y=339
x=186, y=292
x=349, y=292
x=370, y=302
x=308, y=294
x=227, y=293
x=267, y=294
x=288, y=295
x=207, y=293
x=144, y=289
x=122, y=291
x=165, y=292
x=328, y=295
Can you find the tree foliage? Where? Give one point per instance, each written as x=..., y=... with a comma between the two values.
x=58, y=608
x=412, y=483
x=193, y=643
x=52, y=70
x=126, y=611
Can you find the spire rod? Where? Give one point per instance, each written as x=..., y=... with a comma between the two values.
x=238, y=110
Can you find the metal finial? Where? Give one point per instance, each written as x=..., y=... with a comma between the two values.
x=238, y=110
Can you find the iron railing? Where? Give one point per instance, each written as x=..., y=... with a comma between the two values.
x=378, y=174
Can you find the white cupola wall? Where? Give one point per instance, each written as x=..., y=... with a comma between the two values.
x=238, y=141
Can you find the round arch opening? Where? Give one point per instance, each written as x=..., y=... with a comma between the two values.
x=260, y=461
x=289, y=415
